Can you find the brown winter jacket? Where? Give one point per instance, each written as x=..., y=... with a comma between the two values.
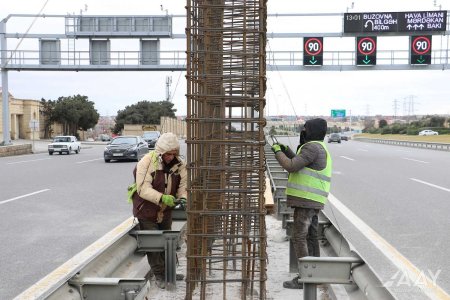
x=152, y=183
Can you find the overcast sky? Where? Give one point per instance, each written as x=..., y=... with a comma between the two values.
x=288, y=93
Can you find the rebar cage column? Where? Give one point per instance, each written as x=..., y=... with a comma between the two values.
x=226, y=83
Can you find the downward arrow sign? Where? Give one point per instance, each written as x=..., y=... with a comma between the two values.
x=313, y=60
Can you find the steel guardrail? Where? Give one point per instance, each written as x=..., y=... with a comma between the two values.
x=96, y=263
x=414, y=144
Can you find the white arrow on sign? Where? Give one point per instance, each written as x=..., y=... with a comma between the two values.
x=367, y=22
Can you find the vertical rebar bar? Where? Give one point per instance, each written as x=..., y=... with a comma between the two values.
x=226, y=84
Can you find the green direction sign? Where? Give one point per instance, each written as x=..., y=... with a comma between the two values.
x=338, y=113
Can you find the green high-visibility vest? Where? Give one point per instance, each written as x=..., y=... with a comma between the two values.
x=311, y=184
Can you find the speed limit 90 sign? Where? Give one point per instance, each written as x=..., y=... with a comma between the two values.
x=420, y=50
x=313, y=51
x=366, y=50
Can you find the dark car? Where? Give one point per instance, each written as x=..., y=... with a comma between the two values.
x=334, y=137
x=125, y=148
x=344, y=138
x=151, y=137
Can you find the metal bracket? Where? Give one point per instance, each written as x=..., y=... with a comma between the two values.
x=95, y=288
x=326, y=269
x=159, y=241
x=316, y=270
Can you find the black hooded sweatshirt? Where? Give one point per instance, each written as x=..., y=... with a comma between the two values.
x=313, y=156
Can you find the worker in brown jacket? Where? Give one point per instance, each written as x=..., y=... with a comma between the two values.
x=161, y=179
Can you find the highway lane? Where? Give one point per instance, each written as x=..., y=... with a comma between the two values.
x=404, y=195
x=53, y=207
x=77, y=199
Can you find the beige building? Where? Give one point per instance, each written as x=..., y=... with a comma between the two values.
x=21, y=113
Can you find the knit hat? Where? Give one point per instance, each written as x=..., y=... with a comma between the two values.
x=167, y=142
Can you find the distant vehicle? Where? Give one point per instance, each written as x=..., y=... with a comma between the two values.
x=104, y=137
x=344, y=137
x=64, y=144
x=334, y=137
x=126, y=147
x=151, y=137
x=428, y=132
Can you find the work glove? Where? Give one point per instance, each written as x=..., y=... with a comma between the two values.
x=132, y=188
x=181, y=202
x=284, y=148
x=276, y=148
x=279, y=147
x=168, y=200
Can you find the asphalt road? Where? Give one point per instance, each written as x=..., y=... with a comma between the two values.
x=403, y=194
x=52, y=207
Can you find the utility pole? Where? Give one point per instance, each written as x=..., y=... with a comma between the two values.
x=411, y=104
x=350, y=126
x=367, y=110
x=168, y=83
x=395, y=108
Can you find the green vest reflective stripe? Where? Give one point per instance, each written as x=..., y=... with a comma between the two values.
x=311, y=184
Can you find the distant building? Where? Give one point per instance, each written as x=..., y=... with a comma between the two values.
x=21, y=112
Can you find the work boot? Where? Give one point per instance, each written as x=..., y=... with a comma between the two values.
x=160, y=281
x=293, y=284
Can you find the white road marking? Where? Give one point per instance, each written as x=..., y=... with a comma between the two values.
x=85, y=161
x=365, y=150
x=427, y=286
x=411, y=159
x=430, y=184
x=23, y=196
x=345, y=157
x=25, y=161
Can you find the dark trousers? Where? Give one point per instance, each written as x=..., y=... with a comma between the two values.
x=156, y=260
x=304, y=233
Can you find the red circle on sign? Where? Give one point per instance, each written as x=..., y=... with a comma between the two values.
x=418, y=39
x=312, y=40
x=369, y=40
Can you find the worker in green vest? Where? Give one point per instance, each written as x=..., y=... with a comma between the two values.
x=307, y=188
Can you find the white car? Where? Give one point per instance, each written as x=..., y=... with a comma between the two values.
x=64, y=144
x=428, y=132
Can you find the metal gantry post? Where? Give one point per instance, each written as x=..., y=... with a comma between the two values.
x=226, y=83
x=5, y=88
